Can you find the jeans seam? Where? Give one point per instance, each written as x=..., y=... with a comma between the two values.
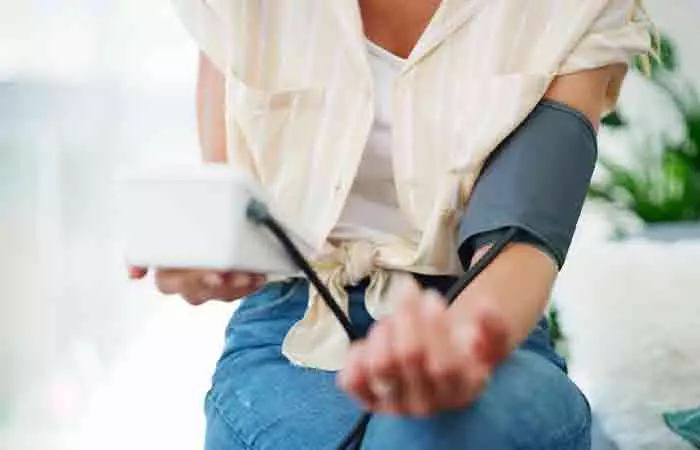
x=234, y=433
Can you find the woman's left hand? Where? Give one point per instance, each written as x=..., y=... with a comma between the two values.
x=424, y=359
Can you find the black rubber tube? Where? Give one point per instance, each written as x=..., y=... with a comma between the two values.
x=259, y=213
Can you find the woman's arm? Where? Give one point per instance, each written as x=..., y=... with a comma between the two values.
x=428, y=357
x=587, y=91
x=519, y=282
x=211, y=114
x=201, y=286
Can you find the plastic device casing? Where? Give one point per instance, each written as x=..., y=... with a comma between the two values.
x=194, y=216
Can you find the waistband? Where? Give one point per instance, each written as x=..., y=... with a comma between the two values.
x=441, y=283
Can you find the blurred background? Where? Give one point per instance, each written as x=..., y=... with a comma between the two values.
x=90, y=360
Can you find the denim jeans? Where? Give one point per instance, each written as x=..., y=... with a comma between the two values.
x=259, y=401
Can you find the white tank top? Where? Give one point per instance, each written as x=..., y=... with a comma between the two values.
x=372, y=211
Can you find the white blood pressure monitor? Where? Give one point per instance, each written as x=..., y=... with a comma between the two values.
x=194, y=216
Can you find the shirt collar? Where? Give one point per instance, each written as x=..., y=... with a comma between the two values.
x=450, y=17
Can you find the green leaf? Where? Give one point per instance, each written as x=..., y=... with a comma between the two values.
x=691, y=145
x=555, y=331
x=601, y=192
x=663, y=185
x=667, y=54
x=664, y=61
x=614, y=120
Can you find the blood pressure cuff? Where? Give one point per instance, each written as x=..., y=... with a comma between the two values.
x=536, y=181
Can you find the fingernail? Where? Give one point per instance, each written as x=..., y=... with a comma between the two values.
x=212, y=280
x=135, y=272
x=241, y=280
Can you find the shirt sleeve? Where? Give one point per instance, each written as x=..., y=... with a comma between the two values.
x=206, y=28
x=536, y=181
x=619, y=33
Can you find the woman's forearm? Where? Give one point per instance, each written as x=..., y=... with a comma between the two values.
x=517, y=284
x=211, y=105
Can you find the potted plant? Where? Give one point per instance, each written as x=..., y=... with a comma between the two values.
x=662, y=188
x=629, y=309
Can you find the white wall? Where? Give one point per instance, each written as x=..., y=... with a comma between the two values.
x=86, y=86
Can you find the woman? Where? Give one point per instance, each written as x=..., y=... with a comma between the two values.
x=403, y=138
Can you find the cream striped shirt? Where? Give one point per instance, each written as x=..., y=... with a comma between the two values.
x=300, y=105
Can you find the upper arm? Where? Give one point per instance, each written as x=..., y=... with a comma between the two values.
x=588, y=91
x=211, y=113
x=590, y=75
x=207, y=29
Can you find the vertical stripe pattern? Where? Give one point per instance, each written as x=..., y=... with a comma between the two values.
x=300, y=108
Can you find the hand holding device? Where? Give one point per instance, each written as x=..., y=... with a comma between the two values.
x=194, y=217
x=200, y=286
x=188, y=223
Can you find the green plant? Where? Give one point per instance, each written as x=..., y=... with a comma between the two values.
x=664, y=184
x=555, y=332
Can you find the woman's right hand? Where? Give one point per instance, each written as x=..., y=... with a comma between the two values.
x=200, y=286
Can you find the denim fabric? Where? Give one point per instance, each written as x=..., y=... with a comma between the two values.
x=259, y=401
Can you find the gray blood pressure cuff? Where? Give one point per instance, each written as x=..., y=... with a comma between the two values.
x=535, y=181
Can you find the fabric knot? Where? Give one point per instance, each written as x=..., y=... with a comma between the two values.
x=357, y=260
x=318, y=340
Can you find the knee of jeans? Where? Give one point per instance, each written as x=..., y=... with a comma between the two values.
x=530, y=404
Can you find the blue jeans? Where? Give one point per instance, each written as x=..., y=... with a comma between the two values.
x=260, y=401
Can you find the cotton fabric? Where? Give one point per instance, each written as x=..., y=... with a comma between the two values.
x=300, y=106
x=372, y=210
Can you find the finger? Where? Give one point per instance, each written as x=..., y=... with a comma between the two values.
x=170, y=281
x=444, y=364
x=211, y=280
x=404, y=288
x=462, y=334
x=238, y=285
x=383, y=368
x=492, y=341
x=472, y=384
x=187, y=283
x=483, y=341
x=353, y=378
x=199, y=287
x=257, y=281
x=409, y=338
x=490, y=346
x=137, y=273
x=239, y=280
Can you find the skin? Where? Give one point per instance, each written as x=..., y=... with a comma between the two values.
x=425, y=358
x=200, y=286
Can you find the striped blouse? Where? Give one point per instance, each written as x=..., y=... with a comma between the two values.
x=300, y=105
